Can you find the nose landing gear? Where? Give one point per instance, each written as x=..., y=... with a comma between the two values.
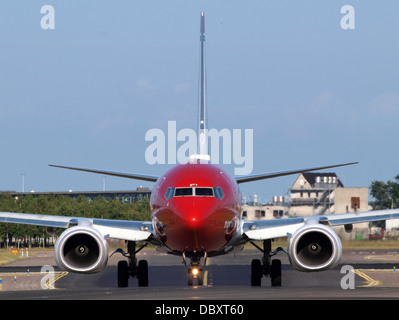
x=195, y=275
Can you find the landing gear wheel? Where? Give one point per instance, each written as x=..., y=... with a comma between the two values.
x=123, y=274
x=266, y=267
x=142, y=273
x=256, y=273
x=276, y=273
x=131, y=268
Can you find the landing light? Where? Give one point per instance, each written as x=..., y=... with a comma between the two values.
x=194, y=271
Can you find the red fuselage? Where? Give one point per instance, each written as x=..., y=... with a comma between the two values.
x=195, y=208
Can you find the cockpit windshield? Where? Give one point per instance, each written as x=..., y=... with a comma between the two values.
x=183, y=192
x=194, y=192
x=204, y=192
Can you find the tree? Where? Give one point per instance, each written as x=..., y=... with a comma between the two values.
x=61, y=205
x=386, y=195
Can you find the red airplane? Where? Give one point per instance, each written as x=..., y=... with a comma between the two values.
x=196, y=214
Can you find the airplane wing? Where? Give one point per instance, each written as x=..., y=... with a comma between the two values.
x=112, y=173
x=276, y=228
x=262, y=176
x=116, y=229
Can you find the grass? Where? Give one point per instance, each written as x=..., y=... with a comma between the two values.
x=370, y=244
x=8, y=256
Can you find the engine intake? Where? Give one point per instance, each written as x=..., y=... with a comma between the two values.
x=81, y=249
x=314, y=247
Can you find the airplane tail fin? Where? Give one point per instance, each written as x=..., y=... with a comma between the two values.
x=202, y=149
x=202, y=117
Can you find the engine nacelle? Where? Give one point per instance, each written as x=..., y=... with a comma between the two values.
x=314, y=247
x=81, y=249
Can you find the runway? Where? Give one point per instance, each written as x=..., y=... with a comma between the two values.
x=375, y=276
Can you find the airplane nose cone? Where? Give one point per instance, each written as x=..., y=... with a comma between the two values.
x=192, y=224
x=194, y=212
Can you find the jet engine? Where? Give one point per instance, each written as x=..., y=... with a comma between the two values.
x=81, y=249
x=314, y=247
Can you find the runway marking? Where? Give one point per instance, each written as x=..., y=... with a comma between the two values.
x=50, y=284
x=370, y=281
x=206, y=278
x=34, y=275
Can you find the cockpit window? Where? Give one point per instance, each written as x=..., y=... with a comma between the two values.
x=194, y=191
x=219, y=193
x=183, y=192
x=204, y=192
x=169, y=193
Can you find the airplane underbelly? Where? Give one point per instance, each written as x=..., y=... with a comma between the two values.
x=209, y=234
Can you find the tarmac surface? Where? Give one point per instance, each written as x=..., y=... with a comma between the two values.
x=374, y=275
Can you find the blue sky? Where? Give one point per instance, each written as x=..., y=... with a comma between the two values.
x=85, y=93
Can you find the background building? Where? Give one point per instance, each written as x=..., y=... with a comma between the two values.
x=315, y=194
x=324, y=193
x=257, y=211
